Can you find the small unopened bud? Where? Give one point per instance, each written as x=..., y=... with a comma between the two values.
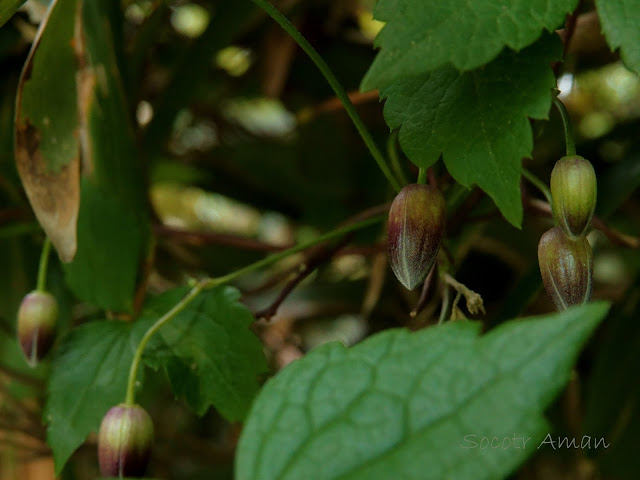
x=417, y=219
x=37, y=318
x=566, y=266
x=574, y=191
x=124, y=441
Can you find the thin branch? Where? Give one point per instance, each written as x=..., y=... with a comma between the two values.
x=616, y=237
x=212, y=238
x=22, y=429
x=363, y=219
x=426, y=288
x=277, y=277
x=35, y=454
x=317, y=258
x=271, y=282
x=445, y=304
x=392, y=152
x=334, y=104
x=20, y=445
x=32, y=416
x=368, y=213
x=364, y=250
x=539, y=184
x=21, y=377
x=377, y=275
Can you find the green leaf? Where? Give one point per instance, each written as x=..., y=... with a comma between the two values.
x=109, y=249
x=214, y=358
x=477, y=120
x=423, y=35
x=8, y=8
x=110, y=153
x=89, y=377
x=46, y=128
x=112, y=222
x=621, y=26
x=400, y=404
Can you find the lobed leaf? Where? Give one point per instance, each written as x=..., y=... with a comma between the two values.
x=421, y=36
x=89, y=376
x=213, y=358
x=478, y=121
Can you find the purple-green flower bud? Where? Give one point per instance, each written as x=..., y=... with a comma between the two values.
x=37, y=318
x=417, y=219
x=566, y=266
x=574, y=191
x=124, y=441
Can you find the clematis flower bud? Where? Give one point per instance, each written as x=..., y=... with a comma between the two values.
x=417, y=219
x=566, y=266
x=124, y=441
x=37, y=318
x=574, y=192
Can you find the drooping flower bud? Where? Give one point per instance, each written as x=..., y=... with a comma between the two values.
x=417, y=219
x=574, y=193
x=566, y=266
x=37, y=318
x=124, y=441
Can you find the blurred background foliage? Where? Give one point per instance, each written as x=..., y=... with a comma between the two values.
x=246, y=150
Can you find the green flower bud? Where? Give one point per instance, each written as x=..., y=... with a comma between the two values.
x=417, y=219
x=37, y=318
x=574, y=191
x=566, y=266
x=124, y=441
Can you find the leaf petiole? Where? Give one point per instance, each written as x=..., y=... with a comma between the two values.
x=392, y=152
x=566, y=121
x=539, y=184
x=422, y=176
x=42, y=268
